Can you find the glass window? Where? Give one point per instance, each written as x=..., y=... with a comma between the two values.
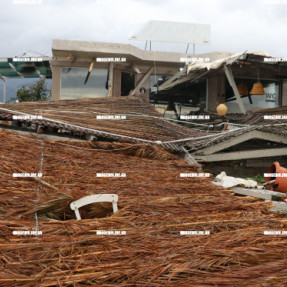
x=186, y=98
x=270, y=99
x=73, y=79
x=128, y=81
x=155, y=81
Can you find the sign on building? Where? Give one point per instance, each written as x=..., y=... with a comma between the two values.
x=165, y=31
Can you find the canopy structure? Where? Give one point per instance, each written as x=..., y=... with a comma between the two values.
x=245, y=65
x=24, y=67
x=214, y=65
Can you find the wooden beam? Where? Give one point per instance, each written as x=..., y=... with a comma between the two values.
x=239, y=155
x=212, y=85
x=235, y=59
x=188, y=158
x=170, y=80
x=242, y=138
x=182, y=80
x=268, y=68
x=234, y=87
x=143, y=79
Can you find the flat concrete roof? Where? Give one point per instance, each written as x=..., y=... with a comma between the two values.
x=86, y=50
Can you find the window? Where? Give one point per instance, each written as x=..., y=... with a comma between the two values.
x=128, y=81
x=187, y=98
x=73, y=79
x=271, y=99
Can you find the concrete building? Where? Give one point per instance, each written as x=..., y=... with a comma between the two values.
x=243, y=81
x=95, y=69
x=116, y=69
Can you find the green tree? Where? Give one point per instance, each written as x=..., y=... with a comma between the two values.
x=34, y=92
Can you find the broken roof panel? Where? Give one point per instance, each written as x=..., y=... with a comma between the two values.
x=197, y=65
x=25, y=67
x=141, y=123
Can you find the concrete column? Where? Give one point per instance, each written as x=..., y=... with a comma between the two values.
x=4, y=91
x=110, y=79
x=117, y=78
x=211, y=92
x=4, y=88
x=56, y=82
x=232, y=83
x=284, y=92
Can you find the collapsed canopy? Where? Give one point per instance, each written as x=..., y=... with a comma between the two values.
x=27, y=67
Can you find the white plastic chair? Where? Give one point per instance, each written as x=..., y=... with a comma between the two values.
x=75, y=205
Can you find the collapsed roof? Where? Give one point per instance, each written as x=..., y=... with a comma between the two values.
x=142, y=124
x=155, y=205
x=25, y=67
x=244, y=64
x=216, y=64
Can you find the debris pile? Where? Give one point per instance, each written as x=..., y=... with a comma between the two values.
x=83, y=116
x=155, y=206
x=230, y=181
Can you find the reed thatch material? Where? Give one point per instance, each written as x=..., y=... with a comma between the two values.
x=138, y=150
x=155, y=204
x=142, y=120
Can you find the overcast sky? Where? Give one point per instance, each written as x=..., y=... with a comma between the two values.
x=236, y=25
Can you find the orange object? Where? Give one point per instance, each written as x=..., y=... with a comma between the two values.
x=70, y=57
x=225, y=127
x=280, y=181
x=221, y=109
x=257, y=89
x=242, y=89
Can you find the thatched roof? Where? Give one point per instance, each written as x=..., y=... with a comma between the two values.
x=142, y=122
x=155, y=204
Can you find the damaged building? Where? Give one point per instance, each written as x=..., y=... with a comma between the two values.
x=168, y=79
x=154, y=89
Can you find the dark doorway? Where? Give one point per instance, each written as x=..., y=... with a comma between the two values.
x=127, y=83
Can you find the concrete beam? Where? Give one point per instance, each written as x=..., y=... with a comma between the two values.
x=280, y=207
x=242, y=138
x=230, y=78
x=259, y=193
x=182, y=80
x=171, y=79
x=238, y=155
x=142, y=80
x=61, y=48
